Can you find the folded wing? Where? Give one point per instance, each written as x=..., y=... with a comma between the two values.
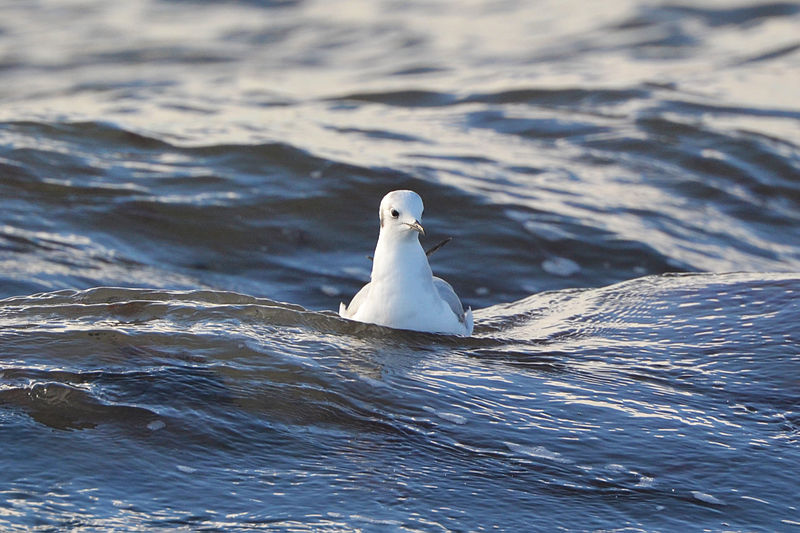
x=347, y=311
x=447, y=294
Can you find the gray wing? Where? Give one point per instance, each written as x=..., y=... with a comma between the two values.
x=447, y=294
x=346, y=311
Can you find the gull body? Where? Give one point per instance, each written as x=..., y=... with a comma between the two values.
x=403, y=293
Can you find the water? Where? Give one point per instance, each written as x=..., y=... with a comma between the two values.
x=622, y=185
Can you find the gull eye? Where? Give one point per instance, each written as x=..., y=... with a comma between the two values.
x=394, y=213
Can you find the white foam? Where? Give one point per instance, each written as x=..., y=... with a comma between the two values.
x=707, y=498
x=450, y=417
x=540, y=452
x=330, y=290
x=561, y=266
x=155, y=425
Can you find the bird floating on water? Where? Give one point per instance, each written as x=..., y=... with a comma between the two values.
x=403, y=293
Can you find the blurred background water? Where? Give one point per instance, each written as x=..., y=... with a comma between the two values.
x=188, y=188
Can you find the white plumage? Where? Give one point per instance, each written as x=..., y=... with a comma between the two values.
x=403, y=293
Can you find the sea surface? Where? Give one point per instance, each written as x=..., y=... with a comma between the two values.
x=188, y=189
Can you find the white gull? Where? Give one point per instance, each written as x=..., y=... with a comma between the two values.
x=403, y=293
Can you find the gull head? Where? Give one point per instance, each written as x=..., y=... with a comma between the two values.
x=400, y=214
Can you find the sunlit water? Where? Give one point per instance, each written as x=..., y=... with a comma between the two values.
x=622, y=182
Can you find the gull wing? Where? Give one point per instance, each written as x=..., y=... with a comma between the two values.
x=447, y=294
x=346, y=311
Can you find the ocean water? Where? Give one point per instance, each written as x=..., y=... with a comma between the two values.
x=188, y=189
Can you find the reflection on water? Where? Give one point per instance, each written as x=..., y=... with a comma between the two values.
x=219, y=159
x=672, y=395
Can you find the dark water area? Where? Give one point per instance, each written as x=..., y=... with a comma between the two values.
x=189, y=189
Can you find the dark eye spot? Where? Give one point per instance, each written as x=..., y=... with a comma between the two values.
x=394, y=213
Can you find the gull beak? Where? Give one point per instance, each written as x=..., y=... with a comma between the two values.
x=416, y=226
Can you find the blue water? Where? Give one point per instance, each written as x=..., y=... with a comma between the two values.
x=189, y=189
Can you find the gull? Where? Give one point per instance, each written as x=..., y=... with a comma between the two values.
x=403, y=293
